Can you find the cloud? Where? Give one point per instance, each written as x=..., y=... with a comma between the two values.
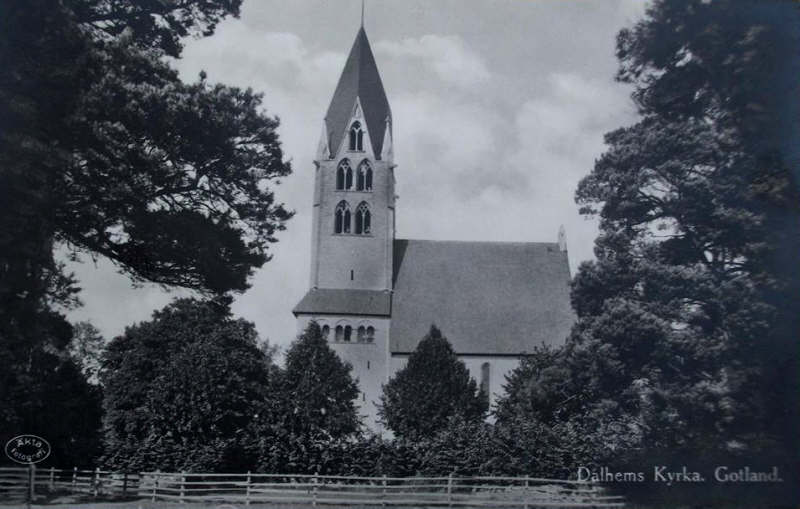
x=446, y=55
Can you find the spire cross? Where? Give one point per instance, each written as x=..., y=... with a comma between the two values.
x=362, y=13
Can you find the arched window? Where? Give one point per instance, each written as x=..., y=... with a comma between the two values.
x=339, y=333
x=326, y=330
x=341, y=221
x=485, y=374
x=370, y=334
x=356, y=136
x=363, y=219
x=348, y=332
x=344, y=176
x=364, y=180
x=362, y=333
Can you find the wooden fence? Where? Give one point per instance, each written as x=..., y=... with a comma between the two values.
x=312, y=490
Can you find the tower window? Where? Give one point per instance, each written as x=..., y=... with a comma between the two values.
x=362, y=334
x=341, y=222
x=325, y=331
x=364, y=177
x=348, y=332
x=344, y=176
x=356, y=137
x=363, y=219
x=339, y=333
x=370, y=334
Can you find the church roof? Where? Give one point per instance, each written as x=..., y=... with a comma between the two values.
x=488, y=298
x=360, y=78
x=344, y=302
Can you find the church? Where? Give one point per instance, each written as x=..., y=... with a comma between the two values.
x=375, y=296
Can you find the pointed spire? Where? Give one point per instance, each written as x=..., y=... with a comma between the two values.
x=387, y=154
x=323, y=151
x=562, y=238
x=360, y=79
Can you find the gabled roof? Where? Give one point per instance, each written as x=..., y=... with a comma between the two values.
x=488, y=298
x=360, y=78
x=344, y=302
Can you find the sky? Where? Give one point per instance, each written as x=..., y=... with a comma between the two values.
x=499, y=109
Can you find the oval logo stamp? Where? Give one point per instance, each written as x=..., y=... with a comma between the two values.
x=27, y=449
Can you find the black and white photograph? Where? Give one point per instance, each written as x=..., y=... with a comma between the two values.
x=413, y=254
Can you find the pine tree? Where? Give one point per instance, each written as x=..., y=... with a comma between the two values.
x=433, y=387
x=688, y=317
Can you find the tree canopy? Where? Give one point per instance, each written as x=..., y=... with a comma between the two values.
x=433, y=388
x=187, y=390
x=105, y=150
x=318, y=390
x=109, y=152
x=688, y=317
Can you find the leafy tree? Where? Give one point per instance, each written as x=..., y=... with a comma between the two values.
x=188, y=390
x=105, y=150
x=319, y=393
x=688, y=317
x=539, y=388
x=166, y=179
x=86, y=349
x=432, y=388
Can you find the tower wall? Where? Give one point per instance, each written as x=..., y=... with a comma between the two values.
x=349, y=260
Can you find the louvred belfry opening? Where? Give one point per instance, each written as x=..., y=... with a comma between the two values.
x=360, y=80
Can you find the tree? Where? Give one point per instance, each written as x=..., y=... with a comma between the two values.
x=188, y=390
x=166, y=179
x=432, y=388
x=687, y=320
x=539, y=388
x=103, y=149
x=86, y=349
x=319, y=393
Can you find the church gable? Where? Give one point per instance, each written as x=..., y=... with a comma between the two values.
x=489, y=298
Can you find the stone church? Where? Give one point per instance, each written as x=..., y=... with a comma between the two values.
x=375, y=296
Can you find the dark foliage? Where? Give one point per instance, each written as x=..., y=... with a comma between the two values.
x=189, y=390
x=103, y=149
x=317, y=389
x=432, y=388
x=688, y=318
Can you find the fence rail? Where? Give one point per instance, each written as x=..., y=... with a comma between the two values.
x=20, y=484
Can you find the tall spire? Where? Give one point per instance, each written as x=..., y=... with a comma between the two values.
x=360, y=79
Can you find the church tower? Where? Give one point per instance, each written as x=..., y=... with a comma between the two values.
x=353, y=209
x=353, y=227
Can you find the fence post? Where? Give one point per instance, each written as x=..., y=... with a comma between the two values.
x=96, y=482
x=124, y=483
x=74, y=479
x=52, y=478
x=527, y=491
x=383, y=498
x=450, y=490
x=155, y=485
x=31, y=483
x=314, y=492
x=247, y=490
x=183, y=487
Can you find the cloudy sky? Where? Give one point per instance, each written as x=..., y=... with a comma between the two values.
x=499, y=108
